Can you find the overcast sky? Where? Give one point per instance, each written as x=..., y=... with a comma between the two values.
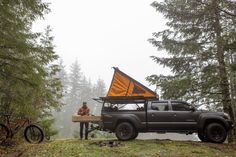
x=101, y=34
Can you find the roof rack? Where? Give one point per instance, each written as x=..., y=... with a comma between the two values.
x=123, y=99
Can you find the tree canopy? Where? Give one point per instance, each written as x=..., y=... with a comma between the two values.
x=28, y=85
x=200, y=40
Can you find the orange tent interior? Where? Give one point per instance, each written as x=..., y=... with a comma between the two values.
x=124, y=85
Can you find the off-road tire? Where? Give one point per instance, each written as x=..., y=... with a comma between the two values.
x=124, y=131
x=216, y=133
x=202, y=136
x=135, y=135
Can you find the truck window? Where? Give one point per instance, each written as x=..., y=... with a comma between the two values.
x=160, y=106
x=124, y=107
x=132, y=107
x=179, y=106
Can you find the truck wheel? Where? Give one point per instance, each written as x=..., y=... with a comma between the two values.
x=135, y=134
x=216, y=133
x=124, y=131
x=202, y=136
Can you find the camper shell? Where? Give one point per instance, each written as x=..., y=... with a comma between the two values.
x=122, y=108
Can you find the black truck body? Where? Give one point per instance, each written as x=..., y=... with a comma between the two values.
x=127, y=116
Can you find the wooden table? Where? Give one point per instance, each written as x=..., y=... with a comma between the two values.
x=78, y=118
x=92, y=119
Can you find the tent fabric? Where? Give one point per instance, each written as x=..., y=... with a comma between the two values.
x=124, y=85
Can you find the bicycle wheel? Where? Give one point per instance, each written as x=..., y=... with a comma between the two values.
x=33, y=134
x=4, y=132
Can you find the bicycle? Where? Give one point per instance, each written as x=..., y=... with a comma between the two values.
x=32, y=132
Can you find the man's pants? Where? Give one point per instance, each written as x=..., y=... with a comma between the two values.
x=82, y=128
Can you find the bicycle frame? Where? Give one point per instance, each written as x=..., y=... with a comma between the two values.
x=14, y=127
x=32, y=132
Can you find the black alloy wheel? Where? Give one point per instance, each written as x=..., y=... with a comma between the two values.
x=216, y=133
x=124, y=131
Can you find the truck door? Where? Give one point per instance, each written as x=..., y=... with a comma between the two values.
x=159, y=116
x=183, y=117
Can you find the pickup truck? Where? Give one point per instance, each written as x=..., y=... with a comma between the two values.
x=128, y=116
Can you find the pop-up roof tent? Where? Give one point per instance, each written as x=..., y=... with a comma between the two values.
x=124, y=87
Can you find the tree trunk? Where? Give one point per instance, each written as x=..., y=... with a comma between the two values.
x=231, y=61
x=223, y=76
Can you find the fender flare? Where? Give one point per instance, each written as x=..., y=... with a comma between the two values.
x=210, y=119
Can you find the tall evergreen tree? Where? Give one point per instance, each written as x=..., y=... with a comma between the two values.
x=86, y=90
x=26, y=83
x=72, y=101
x=76, y=88
x=99, y=90
x=200, y=36
x=75, y=83
x=62, y=74
x=59, y=115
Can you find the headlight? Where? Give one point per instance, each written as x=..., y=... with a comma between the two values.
x=226, y=116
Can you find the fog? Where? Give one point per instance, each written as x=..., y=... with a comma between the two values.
x=106, y=33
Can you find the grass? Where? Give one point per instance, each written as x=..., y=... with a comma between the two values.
x=135, y=148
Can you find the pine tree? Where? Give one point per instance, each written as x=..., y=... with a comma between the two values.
x=59, y=115
x=200, y=36
x=86, y=91
x=78, y=89
x=99, y=90
x=72, y=101
x=28, y=86
x=75, y=84
x=62, y=74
